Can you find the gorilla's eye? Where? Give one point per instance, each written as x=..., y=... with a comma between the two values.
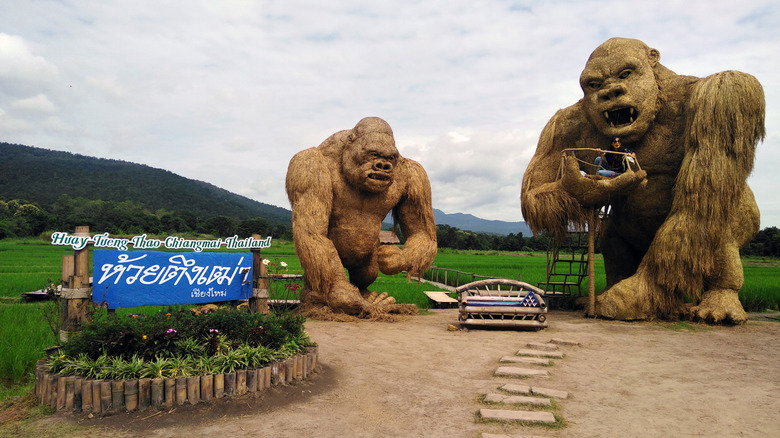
x=594, y=85
x=624, y=74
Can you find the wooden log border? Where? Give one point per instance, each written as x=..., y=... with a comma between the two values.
x=105, y=397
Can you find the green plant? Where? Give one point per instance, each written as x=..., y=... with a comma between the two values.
x=51, y=310
x=216, y=343
x=205, y=365
x=233, y=360
x=157, y=368
x=180, y=367
x=189, y=347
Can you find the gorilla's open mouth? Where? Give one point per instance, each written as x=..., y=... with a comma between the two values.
x=621, y=116
x=379, y=176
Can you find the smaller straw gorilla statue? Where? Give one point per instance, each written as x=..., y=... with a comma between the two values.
x=340, y=192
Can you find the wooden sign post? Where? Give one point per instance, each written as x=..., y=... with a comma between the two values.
x=259, y=301
x=76, y=291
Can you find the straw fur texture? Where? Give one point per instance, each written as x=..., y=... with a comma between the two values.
x=671, y=242
x=340, y=192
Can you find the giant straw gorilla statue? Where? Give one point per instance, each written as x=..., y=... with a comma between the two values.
x=340, y=192
x=677, y=224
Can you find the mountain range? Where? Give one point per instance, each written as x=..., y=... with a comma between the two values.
x=470, y=222
x=41, y=175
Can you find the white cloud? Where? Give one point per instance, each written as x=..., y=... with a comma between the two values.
x=35, y=104
x=19, y=63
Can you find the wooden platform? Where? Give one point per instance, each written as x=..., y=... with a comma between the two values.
x=441, y=300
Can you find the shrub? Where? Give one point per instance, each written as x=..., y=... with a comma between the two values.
x=179, y=343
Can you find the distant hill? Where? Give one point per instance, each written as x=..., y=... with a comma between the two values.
x=472, y=223
x=42, y=175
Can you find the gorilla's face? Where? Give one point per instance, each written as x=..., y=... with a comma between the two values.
x=368, y=162
x=621, y=92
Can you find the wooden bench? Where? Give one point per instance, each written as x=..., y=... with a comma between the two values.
x=500, y=302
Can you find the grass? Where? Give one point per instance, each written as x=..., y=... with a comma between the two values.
x=761, y=291
x=24, y=333
x=27, y=264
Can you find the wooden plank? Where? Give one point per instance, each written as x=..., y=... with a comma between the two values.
x=440, y=297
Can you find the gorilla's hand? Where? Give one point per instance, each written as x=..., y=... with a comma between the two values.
x=590, y=191
x=391, y=260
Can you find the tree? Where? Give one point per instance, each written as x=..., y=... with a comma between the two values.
x=253, y=226
x=220, y=226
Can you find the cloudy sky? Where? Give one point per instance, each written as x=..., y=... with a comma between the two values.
x=228, y=91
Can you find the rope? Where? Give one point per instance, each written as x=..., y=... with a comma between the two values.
x=600, y=151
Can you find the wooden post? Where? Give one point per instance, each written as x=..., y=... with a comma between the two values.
x=68, y=269
x=157, y=392
x=81, y=267
x=259, y=301
x=86, y=395
x=230, y=384
x=592, y=262
x=117, y=394
x=131, y=394
x=193, y=389
x=76, y=293
x=206, y=387
x=96, y=397
x=144, y=393
x=105, y=397
x=181, y=390
x=170, y=392
x=219, y=385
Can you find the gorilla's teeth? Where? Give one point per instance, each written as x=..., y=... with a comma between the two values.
x=632, y=111
x=606, y=115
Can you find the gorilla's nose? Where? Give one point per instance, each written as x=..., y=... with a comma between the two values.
x=612, y=92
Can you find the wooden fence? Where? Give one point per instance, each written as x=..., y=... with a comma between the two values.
x=452, y=277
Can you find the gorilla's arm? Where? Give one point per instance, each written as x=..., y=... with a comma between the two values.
x=310, y=191
x=415, y=215
x=725, y=122
x=544, y=202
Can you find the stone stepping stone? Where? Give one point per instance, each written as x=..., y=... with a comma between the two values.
x=520, y=372
x=514, y=388
x=512, y=415
x=564, y=342
x=517, y=388
x=553, y=393
x=517, y=400
x=542, y=346
x=529, y=360
x=539, y=353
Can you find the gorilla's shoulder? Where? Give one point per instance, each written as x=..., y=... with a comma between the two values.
x=569, y=119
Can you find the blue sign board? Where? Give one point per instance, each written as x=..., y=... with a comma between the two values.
x=140, y=278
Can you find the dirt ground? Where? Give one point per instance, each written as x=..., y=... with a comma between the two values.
x=417, y=379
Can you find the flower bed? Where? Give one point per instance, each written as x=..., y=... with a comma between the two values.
x=173, y=357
